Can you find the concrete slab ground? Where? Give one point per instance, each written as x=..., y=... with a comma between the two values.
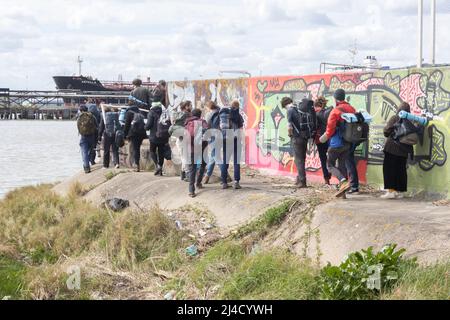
x=340, y=226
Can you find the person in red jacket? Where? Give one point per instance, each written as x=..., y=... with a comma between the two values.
x=339, y=149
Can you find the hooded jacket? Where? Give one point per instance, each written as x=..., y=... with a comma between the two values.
x=335, y=117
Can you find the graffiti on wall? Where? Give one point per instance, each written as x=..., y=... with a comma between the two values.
x=379, y=93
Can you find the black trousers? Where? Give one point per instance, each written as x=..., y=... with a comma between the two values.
x=322, y=148
x=300, y=145
x=136, y=143
x=157, y=152
x=109, y=142
x=394, y=172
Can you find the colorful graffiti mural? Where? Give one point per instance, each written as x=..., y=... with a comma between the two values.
x=379, y=93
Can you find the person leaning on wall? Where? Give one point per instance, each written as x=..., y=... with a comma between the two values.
x=395, y=159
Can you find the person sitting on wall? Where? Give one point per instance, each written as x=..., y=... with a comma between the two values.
x=339, y=149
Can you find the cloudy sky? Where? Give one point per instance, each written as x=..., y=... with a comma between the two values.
x=196, y=39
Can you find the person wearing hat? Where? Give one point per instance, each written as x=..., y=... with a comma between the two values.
x=339, y=149
x=322, y=112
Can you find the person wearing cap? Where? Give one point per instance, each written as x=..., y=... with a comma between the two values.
x=322, y=113
x=339, y=149
x=298, y=142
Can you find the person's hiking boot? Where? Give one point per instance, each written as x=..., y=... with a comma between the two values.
x=158, y=171
x=224, y=186
x=183, y=175
x=206, y=181
x=353, y=191
x=199, y=185
x=300, y=184
x=344, y=185
x=236, y=185
x=138, y=168
x=117, y=166
x=192, y=194
x=327, y=180
x=87, y=169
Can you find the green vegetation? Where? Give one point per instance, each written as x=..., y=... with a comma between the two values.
x=364, y=274
x=270, y=218
x=43, y=235
x=11, y=277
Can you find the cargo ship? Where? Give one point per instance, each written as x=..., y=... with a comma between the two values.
x=87, y=83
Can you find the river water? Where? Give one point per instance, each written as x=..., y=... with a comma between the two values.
x=34, y=152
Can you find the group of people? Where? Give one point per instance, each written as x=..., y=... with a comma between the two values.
x=148, y=116
x=337, y=156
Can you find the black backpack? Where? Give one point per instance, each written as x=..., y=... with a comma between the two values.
x=138, y=125
x=406, y=132
x=356, y=132
x=163, y=125
x=322, y=119
x=307, y=121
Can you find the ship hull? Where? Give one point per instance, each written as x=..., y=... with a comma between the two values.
x=79, y=83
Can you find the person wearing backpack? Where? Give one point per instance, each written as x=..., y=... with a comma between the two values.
x=195, y=129
x=87, y=127
x=93, y=108
x=159, y=93
x=231, y=124
x=108, y=129
x=140, y=96
x=338, y=150
x=395, y=158
x=213, y=121
x=323, y=113
x=158, y=123
x=302, y=125
x=134, y=131
x=179, y=122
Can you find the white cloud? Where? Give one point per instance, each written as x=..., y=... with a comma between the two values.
x=175, y=39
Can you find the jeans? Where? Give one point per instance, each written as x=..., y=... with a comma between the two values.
x=86, y=144
x=226, y=162
x=211, y=163
x=352, y=169
x=340, y=155
x=300, y=146
x=109, y=142
x=136, y=143
x=322, y=148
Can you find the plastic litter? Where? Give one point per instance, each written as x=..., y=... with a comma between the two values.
x=201, y=233
x=170, y=295
x=192, y=250
x=179, y=225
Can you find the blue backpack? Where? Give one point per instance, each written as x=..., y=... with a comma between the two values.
x=337, y=140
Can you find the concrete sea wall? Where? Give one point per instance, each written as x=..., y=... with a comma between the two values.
x=427, y=90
